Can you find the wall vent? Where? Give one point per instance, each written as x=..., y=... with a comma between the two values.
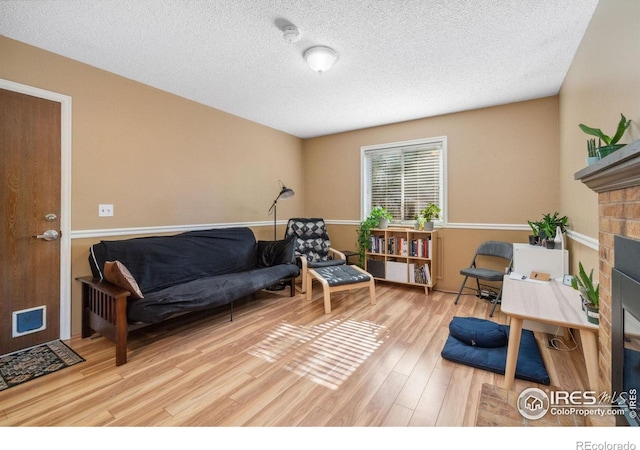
x=29, y=321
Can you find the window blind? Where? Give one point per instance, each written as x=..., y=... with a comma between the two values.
x=403, y=178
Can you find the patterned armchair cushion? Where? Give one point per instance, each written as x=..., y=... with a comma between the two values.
x=312, y=239
x=314, y=249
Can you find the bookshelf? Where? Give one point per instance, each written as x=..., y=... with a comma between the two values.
x=403, y=255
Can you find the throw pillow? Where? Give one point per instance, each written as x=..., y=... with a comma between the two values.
x=272, y=253
x=118, y=274
x=478, y=332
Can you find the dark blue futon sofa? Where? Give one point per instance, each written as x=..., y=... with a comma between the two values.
x=142, y=281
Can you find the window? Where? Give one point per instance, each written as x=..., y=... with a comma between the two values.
x=404, y=177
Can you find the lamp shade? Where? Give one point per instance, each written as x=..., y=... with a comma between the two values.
x=286, y=192
x=320, y=58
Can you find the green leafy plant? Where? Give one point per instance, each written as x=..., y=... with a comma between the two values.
x=549, y=231
x=592, y=152
x=364, y=231
x=544, y=230
x=550, y=223
x=378, y=212
x=583, y=283
x=428, y=213
x=535, y=227
x=608, y=140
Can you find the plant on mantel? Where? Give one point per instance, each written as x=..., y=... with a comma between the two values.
x=611, y=142
x=592, y=152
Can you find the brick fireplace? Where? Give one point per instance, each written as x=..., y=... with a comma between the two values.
x=616, y=179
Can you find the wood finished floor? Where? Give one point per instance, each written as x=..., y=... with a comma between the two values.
x=282, y=362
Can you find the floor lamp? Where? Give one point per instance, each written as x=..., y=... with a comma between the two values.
x=285, y=193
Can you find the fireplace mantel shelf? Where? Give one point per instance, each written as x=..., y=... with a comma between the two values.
x=619, y=170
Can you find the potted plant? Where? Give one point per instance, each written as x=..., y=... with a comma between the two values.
x=416, y=221
x=552, y=226
x=592, y=152
x=364, y=231
x=589, y=292
x=534, y=237
x=426, y=216
x=550, y=235
x=383, y=216
x=611, y=143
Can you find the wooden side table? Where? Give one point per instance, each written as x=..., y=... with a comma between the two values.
x=348, y=254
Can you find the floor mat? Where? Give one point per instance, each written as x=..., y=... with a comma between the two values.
x=25, y=365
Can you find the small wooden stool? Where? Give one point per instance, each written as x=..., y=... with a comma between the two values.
x=340, y=278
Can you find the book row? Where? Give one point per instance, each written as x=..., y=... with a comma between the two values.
x=421, y=274
x=400, y=246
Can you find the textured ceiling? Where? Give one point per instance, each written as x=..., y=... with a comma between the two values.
x=398, y=59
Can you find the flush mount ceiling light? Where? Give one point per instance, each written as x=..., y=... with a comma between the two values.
x=320, y=58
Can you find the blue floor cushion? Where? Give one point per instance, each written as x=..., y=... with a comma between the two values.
x=478, y=332
x=481, y=344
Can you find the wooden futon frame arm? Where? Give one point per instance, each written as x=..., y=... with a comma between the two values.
x=104, y=310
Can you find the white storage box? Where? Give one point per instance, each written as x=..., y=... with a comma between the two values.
x=528, y=258
x=397, y=271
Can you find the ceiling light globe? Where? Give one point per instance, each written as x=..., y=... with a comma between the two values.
x=320, y=58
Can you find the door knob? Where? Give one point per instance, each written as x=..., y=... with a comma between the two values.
x=49, y=235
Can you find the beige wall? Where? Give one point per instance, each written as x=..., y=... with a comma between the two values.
x=161, y=160
x=603, y=81
x=502, y=163
x=502, y=171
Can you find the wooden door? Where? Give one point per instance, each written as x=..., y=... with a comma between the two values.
x=30, y=152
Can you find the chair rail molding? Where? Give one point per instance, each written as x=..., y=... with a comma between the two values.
x=108, y=232
x=583, y=239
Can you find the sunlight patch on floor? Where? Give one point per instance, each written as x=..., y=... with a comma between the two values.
x=327, y=353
